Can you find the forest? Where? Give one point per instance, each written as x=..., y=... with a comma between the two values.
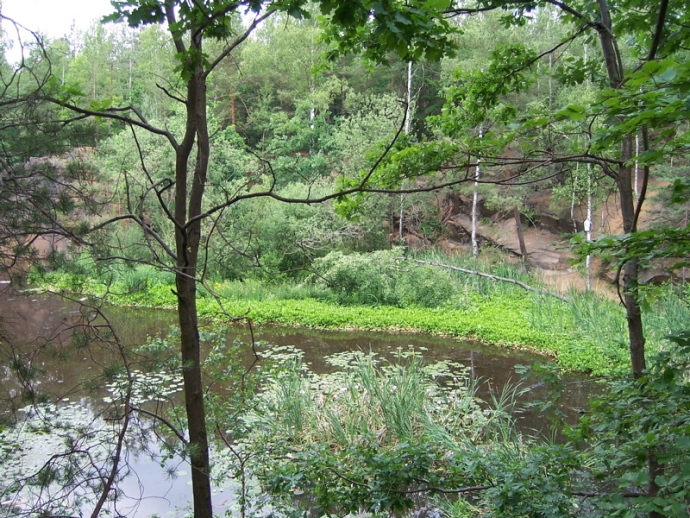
x=511, y=172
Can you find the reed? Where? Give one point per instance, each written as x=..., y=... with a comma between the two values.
x=395, y=402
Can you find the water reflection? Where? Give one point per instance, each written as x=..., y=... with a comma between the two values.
x=63, y=346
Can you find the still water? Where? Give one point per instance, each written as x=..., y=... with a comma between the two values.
x=46, y=333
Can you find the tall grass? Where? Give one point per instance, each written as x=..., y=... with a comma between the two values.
x=394, y=402
x=666, y=312
x=291, y=401
x=259, y=290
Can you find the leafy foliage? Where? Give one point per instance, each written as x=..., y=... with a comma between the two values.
x=361, y=436
x=640, y=434
x=380, y=279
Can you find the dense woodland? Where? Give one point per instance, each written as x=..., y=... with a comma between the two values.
x=383, y=165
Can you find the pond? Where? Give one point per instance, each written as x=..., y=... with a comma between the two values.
x=44, y=334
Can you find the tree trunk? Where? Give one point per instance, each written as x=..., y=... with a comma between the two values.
x=520, y=234
x=475, y=201
x=187, y=239
x=194, y=397
x=654, y=470
x=631, y=269
x=624, y=178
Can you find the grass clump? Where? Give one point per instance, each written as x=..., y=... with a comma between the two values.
x=384, y=424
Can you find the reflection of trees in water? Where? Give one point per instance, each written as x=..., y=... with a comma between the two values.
x=87, y=426
x=60, y=459
x=105, y=431
x=61, y=455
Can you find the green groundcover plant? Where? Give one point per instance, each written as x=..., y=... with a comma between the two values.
x=378, y=291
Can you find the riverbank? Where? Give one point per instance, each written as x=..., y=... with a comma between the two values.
x=585, y=334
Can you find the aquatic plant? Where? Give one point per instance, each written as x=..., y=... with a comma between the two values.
x=390, y=422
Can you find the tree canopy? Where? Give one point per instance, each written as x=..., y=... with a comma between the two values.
x=231, y=137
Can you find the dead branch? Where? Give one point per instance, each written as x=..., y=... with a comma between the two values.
x=492, y=277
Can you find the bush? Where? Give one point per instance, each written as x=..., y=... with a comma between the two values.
x=380, y=278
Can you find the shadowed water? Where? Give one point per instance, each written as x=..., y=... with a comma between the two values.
x=47, y=333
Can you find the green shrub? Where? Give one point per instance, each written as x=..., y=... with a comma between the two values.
x=381, y=278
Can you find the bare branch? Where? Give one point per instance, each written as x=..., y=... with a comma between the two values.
x=163, y=420
x=489, y=276
x=658, y=31
x=143, y=225
x=170, y=94
x=153, y=185
x=115, y=114
x=227, y=50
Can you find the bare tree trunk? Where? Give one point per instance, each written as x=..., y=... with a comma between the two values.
x=187, y=239
x=520, y=234
x=194, y=397
x=408, y=116
x=637, y=164
x=589, y=223
x=475, y=201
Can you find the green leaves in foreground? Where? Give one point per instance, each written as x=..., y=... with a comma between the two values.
x=647, y=245
x=628, y=457
x=640, y=439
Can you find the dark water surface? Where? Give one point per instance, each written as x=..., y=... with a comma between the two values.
x=42, y=328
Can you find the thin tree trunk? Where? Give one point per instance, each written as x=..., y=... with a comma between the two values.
x=520, y=234
x=194, y=397
x=631, y=269
x=654, y=470
x=408, y=116
x=187, y=239
x=637, y=163
x=573, y=199
x=589, y=223
x=475, y=201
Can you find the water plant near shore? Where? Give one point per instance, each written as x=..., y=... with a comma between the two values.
x=586, y=334
x=389, y=421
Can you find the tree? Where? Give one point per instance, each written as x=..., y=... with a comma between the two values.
x=193, y=26
x=638, y=90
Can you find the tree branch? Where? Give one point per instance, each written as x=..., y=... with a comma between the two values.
x=163, y=420
x=489, y=276
x=227, y=50
x=114, y=113
x=144, y=227
x=658, y=31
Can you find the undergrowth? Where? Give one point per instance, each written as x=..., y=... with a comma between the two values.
x=586, y=334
